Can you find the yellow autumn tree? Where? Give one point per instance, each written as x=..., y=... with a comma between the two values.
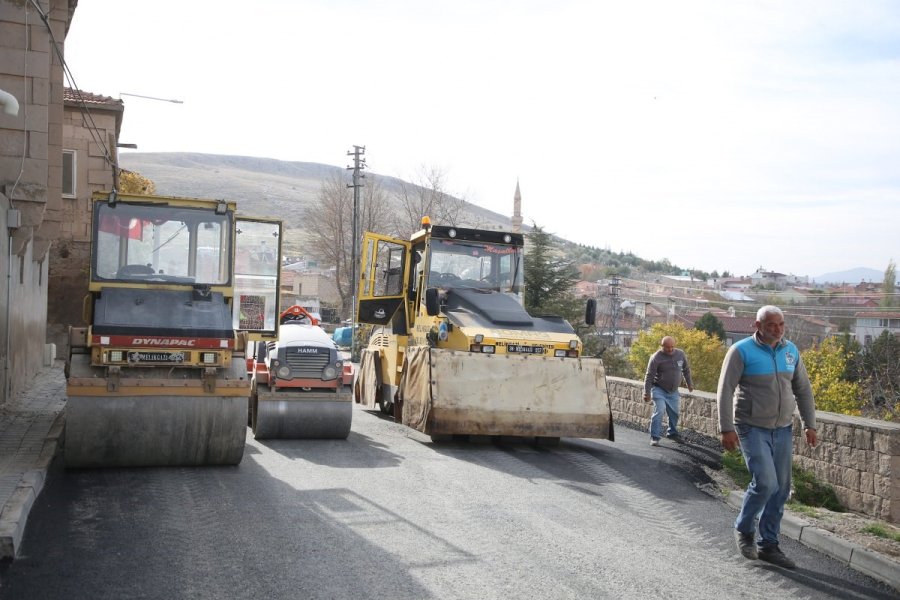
x=704, y=352
x=826, y=365
x=132, y=182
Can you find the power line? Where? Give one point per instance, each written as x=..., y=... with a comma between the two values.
x=95, y=131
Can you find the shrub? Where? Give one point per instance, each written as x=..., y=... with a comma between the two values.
x=704, y=352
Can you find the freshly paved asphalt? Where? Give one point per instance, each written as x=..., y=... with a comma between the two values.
x=32, y=430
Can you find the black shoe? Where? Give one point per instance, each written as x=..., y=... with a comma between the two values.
x=774, y=555
x=746, y=543
x=675, y=437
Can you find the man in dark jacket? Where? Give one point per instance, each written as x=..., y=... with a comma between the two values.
x=664, y=372
x=763, y=380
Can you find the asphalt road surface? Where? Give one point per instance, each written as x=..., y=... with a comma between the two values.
x=389, y=514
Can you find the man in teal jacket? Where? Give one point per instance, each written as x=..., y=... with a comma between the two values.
x=763, y=380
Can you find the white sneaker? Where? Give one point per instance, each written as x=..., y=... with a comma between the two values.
x=654, y=442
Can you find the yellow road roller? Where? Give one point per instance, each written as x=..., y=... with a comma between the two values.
x=453, y=350
x=158, y=376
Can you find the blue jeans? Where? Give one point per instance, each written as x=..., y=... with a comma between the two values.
x=668, y=401
x=767, y=453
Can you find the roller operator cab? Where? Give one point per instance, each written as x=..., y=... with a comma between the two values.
x=453, y=351
x=177, y=287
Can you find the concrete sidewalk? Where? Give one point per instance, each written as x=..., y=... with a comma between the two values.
x=874, y=564
x=31, y=432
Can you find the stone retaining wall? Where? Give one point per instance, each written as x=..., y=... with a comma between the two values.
x=859, y=458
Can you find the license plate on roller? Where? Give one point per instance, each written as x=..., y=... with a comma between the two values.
x=157, y=357
x=525, y=349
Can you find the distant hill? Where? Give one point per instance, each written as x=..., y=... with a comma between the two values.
x=262, y=187
x=267, y=187
x=857, y=275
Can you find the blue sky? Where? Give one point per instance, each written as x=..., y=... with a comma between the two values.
x=719, y=135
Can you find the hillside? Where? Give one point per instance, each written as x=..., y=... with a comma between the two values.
x=852, y=276
x=268, y=187
x=262, y=187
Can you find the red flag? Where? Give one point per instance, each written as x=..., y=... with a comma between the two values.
x=134, y=229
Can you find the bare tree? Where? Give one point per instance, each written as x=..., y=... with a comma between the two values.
x=329, y=227
x=376, y=211
x=427, y=196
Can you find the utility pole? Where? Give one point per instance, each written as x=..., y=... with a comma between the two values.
x=359, y=163
x=614, y=284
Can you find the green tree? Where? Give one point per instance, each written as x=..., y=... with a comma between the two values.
x=879, y=371
x=132, y=182
x=888, y=287
x=616, y=363
x=704, y=352
x=711, y=324
x=827, y=365
x=549, y=276
x=549, y=279
x=852, y=353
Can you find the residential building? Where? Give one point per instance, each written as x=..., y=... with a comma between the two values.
x=313, y=290
x=31, y=179
x=870, y=325
x=768, y=279
x=807, y=331
x=733, y=284
x=91, y=125
x=736, y=328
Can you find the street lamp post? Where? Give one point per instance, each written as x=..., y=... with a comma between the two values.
x=150, y=98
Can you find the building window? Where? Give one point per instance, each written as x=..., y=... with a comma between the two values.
x=68, y=174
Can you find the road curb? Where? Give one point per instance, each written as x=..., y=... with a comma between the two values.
x=14, y=515
x=865, y=561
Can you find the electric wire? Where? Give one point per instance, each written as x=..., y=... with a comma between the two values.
x=12, y=192
x=92, y=128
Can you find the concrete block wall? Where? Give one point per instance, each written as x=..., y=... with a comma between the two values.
x=31, y=71
x=859, y=458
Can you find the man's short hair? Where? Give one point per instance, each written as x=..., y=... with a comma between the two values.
x=767, y=310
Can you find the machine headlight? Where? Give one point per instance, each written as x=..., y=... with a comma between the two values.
x=482, y=348
x=507, y=238
x=559, y=353
x=573, y=344
x=452, y=233
x=116, y=356
x=284, y=372
x=329, y=372
x=208, y=358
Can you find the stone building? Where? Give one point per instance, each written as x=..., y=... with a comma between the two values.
x=91, y=126
x=32, y=37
